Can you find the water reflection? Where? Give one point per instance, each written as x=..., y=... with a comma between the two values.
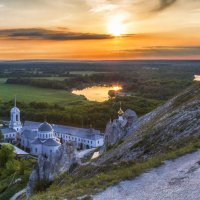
x=97, y=93
x=197, y=78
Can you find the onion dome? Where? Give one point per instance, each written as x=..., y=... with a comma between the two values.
x=15, y=110
x=130, y=114
x=45, y=127
x=120, y=112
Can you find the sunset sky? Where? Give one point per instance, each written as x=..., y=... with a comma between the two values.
x=99, y=29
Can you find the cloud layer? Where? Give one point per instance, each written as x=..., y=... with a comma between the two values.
x=45, y=34
x=163, y=51
x=164, y=4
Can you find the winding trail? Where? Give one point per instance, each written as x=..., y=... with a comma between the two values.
x=18, y=194
x=174, y=180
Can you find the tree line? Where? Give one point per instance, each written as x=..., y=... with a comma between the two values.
x=85, y=115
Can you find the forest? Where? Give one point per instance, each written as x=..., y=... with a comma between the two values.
x=148, y=84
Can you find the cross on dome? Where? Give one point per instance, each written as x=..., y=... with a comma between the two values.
x=120, y=112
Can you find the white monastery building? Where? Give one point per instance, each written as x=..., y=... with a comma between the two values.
x=44, y=138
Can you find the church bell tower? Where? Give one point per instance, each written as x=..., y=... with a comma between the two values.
x=15, y=122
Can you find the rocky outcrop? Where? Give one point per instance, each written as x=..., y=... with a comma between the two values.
x=49, y=168
x=175, y=122
x=117, y=130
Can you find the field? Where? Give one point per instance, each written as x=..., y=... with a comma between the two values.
x=57, y=78
x=60, y=78
x=29, y=94
x=86, y=72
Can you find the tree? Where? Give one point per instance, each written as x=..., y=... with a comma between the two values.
x=6, y=154
x=61, y=140
x=111, y=94
x=1, y=136
x=12, y=166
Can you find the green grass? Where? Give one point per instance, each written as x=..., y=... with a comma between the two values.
x=57, y=78
x=86, y=72
x=29, y=94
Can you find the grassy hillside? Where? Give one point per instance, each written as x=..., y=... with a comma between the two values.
x=14, y=171
x=169, y=131
x=8, y=187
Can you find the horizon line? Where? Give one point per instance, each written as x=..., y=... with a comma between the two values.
x=92, y=60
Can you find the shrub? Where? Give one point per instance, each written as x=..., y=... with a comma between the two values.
x=41, y=185
x=12, y=166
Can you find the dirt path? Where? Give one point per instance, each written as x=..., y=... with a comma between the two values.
x=18, y=194
x=174, y=180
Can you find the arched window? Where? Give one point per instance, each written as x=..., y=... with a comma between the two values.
x=17, y=117
x=35, y=150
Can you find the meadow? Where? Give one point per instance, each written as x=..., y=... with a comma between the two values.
x=29, y=94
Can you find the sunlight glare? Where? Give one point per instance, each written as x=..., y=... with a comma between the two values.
x=116, y=26
x=116, y=87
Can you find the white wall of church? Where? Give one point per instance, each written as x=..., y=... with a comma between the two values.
x=99, y=142
x=26, y=142
x=8, y=136
x=45, y=135
x=48, y=150
x=79, y=140
x=36, y=149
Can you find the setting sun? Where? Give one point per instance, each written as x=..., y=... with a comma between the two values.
x=116, y=26
x=116, y=87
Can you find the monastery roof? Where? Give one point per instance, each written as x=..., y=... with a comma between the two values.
x=17, y=150
x=51, y=142
x=29, y=134
x=31, y=125
x=78, y=132
x=7, y=130
x=89, y=133
x=37, y=141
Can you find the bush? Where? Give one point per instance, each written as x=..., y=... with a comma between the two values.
x=12, y=166
x=41, y=185
x=6, y=154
